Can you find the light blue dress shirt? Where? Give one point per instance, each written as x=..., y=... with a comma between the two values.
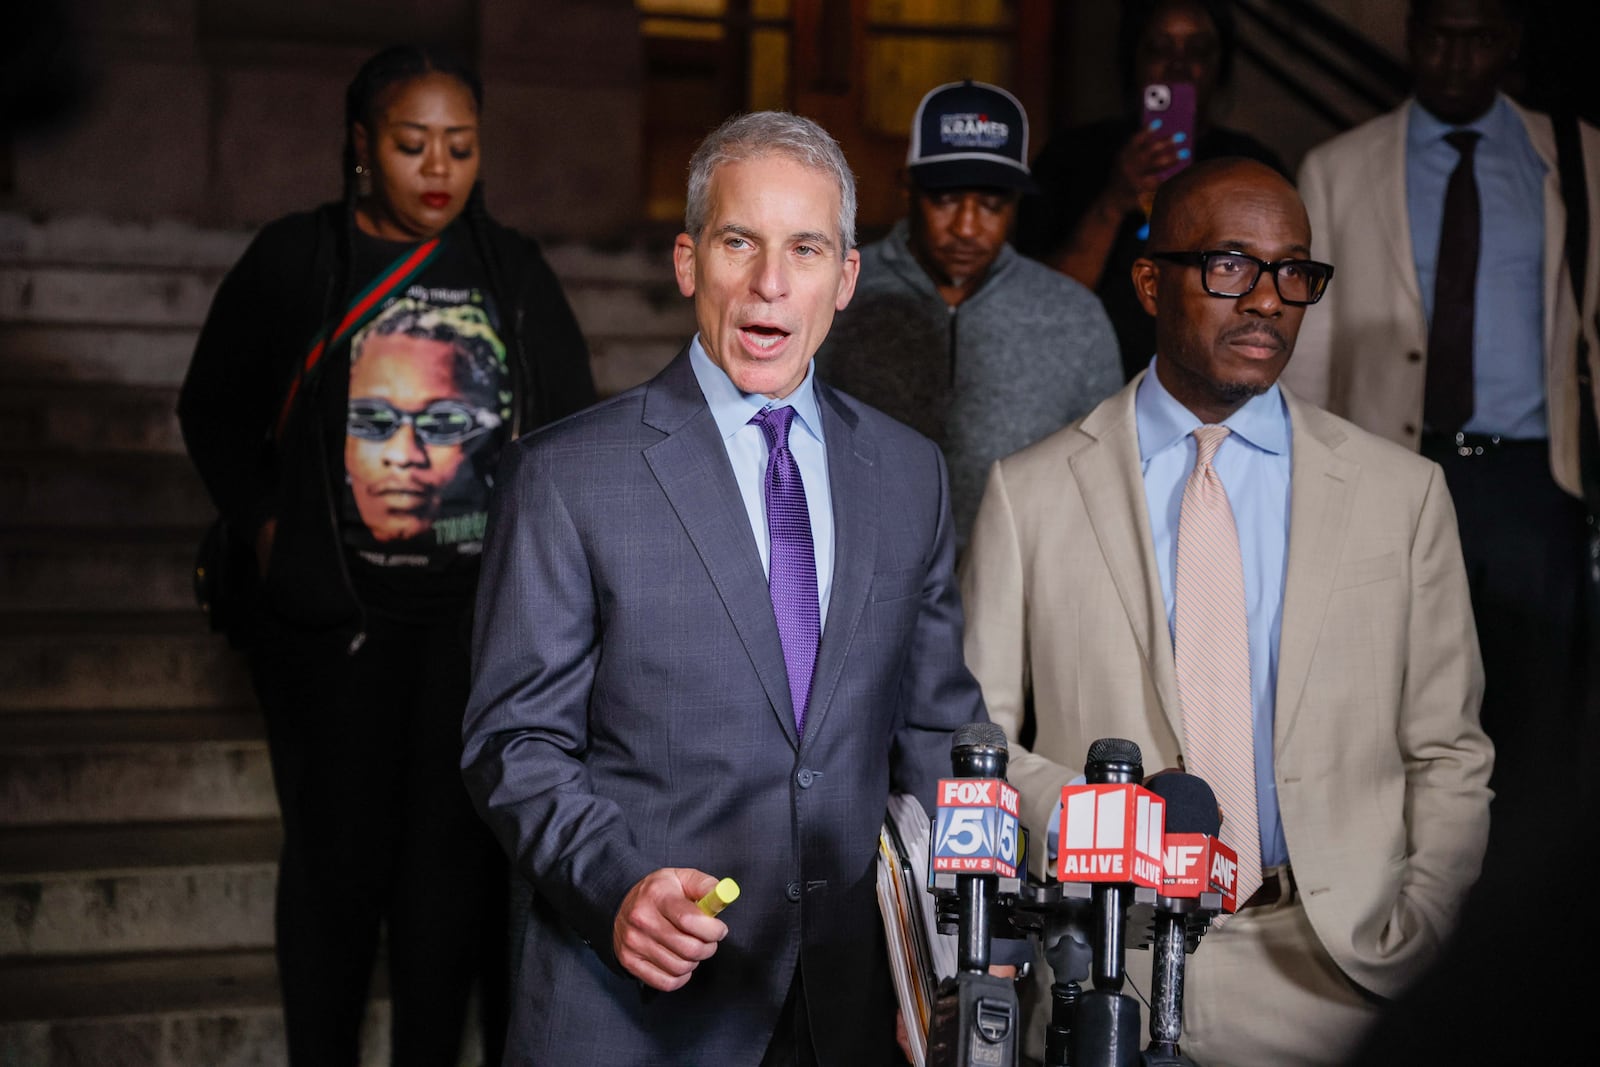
x=1508, y=330
x=747, y=451
x=1254, y=465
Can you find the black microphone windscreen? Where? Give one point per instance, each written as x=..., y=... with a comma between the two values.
x=986, y=734
x=1191, y=805
x=1115, y=750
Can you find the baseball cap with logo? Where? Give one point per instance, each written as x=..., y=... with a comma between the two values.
x=969, y=135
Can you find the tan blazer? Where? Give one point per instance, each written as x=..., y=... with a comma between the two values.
x=1362, y=353
x=1382, y=770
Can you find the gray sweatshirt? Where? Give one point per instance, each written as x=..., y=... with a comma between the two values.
x=1028, y=353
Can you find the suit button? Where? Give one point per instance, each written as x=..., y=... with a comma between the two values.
x=805, y=777
x=792, y=891
x=1413, y=357
x=1411, y=431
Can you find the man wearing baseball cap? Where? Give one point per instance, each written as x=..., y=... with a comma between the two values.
x=951, y=331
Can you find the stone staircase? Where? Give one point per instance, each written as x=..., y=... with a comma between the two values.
x=138, y=828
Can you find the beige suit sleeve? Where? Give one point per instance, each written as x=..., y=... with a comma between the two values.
x=994, y=594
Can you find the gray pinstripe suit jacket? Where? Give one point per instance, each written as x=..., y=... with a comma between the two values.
x=630, y=711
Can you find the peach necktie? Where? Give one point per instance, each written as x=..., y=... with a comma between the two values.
x=1211, y=646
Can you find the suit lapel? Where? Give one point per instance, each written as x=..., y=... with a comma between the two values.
x=1387, y=178
x=1322, y=487
x=853, y=474
x=1541, y=135
x=691, y=466
x=1109, y=476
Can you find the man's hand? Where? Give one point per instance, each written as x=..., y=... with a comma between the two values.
x=660, y=935
x=902, y=1037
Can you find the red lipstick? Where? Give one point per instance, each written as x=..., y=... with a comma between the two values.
x=436, y=200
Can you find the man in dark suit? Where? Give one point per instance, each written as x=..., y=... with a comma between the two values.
x=668, y=691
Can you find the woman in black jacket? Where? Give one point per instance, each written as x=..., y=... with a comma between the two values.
x=360, y=369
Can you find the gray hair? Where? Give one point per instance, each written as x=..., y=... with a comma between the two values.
x=770, y=133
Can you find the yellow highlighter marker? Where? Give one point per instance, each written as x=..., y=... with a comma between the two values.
x=725, y=893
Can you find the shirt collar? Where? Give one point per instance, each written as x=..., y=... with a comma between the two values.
x=1426, y=129
x=1163, y=422
x=733, y=409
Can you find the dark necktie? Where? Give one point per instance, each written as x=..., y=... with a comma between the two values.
x=1448, y=400
x=792, y=571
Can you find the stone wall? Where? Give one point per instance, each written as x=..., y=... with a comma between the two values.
x=228, y=113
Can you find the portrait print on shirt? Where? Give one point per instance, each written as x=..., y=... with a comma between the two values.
x=429, y=408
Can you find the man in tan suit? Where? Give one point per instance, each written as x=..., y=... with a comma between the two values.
x=1377, y=201
x=1369, y=769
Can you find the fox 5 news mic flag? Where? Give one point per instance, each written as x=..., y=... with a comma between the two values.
x=976, y=829
x=1111, y=833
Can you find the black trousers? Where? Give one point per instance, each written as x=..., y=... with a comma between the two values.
x=1524, y=541
x=379, y=833
x=791, y=1044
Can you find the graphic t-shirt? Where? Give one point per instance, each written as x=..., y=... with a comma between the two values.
x=429, y=408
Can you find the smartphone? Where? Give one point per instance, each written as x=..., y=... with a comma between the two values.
x=1169, y=109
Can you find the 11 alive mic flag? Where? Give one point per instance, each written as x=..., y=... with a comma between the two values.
x=976, y=828
x=1111, y=833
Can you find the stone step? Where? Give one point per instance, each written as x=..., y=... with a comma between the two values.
x=89, y=419
x=91, y=240
x=77, y=569
x=106, y=295
x=106, y=890
x=196, y=1009
x=157, y=356
x=73, y=352
x=133, y=767
x=81, y=662
x=609, y=312
x=621, y=364
x=175, y=298
x=112, y=490
x=224, y=1037
x=137, y=985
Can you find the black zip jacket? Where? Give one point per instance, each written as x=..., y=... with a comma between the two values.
x=256, y=335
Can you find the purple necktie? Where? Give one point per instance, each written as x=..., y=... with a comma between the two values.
x=792, y=575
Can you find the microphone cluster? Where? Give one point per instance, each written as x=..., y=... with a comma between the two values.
x=1131, y=857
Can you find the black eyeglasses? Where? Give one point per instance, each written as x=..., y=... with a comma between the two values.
x=443, y=422
x=1234, y=274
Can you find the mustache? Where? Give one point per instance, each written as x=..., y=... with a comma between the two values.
x=1262, y=333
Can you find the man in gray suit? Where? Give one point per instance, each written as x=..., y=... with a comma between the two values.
x=651, y=713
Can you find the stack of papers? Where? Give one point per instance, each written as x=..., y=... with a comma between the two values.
x=919, y=955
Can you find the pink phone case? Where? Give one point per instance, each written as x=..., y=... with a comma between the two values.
x=1169, y=109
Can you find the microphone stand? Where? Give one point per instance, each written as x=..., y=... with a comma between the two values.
x=1178, y=923
x=976, y=1018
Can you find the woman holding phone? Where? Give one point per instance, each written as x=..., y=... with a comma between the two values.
x=1096, y=182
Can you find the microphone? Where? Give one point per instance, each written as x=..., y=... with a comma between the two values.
x=1111, y=837
x=1196, y=866
x=976, y=849
x=975, y=833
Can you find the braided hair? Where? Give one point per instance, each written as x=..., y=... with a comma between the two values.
x=395, y=66
x=383, y=73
